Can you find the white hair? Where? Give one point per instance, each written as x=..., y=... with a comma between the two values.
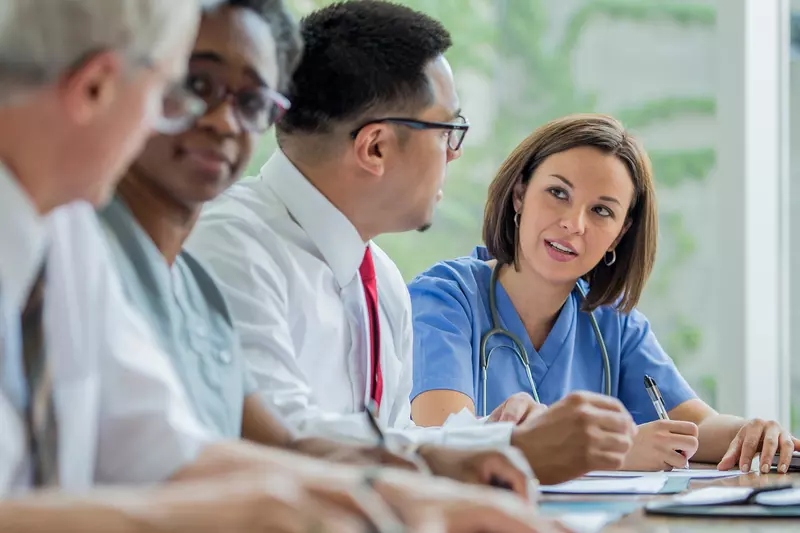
x=41, y=39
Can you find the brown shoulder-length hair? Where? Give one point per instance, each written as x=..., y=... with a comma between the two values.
x=622, y=282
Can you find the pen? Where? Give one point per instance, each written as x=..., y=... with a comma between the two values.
x=372, y=416
x=658, y=401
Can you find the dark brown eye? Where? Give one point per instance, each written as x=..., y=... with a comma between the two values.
x=200, y=84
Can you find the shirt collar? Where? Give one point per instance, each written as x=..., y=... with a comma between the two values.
x=151, y=267
x=331, y=232
x=22, y=241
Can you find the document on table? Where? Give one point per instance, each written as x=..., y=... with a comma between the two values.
x=651, y=484
x=714, y=496
x=587, y=522
x=690, y=472
x=779, y=498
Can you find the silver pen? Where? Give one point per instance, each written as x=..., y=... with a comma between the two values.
x=658, y=402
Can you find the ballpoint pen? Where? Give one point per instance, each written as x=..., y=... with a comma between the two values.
x=372, y=416
x=658, y=402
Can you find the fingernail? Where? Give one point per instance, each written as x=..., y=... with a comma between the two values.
x=784, y=468
x=744, y=467
x=765, y=469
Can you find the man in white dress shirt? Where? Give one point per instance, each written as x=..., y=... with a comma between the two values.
x=324, y=315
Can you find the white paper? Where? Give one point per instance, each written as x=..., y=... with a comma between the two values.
x=714, y=496
x=635, y=485
x=463, y=419
x=779, y=498
x=692, y=473
x=587, y=522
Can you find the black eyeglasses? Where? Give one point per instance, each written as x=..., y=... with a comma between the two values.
x=204, y=90
x=455, y=130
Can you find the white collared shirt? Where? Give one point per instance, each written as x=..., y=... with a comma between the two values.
x=287, y=260
x=122, y=413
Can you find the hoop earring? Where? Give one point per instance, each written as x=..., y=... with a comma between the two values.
x=613, y=258
x=516, y=219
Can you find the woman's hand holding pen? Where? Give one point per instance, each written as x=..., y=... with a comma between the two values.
x=656, y=443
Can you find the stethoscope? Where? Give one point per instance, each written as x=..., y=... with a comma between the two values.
x=519, y=349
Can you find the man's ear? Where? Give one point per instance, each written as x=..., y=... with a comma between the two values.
x=622, y=233
x=88, y=89
x=519, y=195
x=370, y=147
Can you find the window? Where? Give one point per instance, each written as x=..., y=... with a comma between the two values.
x=659, y=66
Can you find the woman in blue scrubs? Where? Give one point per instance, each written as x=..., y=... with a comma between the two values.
x=573, y=207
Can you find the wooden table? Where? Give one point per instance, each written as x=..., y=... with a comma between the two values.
x=638, y=521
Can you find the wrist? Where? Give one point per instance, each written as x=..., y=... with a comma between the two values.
x=424, y=452
x=519, y=438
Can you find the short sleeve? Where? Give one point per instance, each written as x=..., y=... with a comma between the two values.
x=641, y=354
x=442, y=337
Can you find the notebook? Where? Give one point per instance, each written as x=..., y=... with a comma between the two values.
x=772, y=501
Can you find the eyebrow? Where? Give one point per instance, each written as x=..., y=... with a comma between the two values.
x=216, y=58
x=569, y=183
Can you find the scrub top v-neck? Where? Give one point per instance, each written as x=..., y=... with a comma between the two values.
x=450, y=304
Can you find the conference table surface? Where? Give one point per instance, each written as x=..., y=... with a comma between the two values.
x=638, y=521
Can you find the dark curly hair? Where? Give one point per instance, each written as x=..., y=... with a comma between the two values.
x=285, y=31
x=360, y=56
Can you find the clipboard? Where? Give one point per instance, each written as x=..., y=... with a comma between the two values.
x=744, y=507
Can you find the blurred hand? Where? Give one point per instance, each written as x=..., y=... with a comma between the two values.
x=766, y=437
x=462, y=508
x=249, y=504
x=581, y=433
x=656, y=443
x=357, y=455
x=517, y=408
x=478, y=467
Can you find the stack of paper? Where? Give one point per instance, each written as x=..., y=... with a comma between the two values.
x=651, y=484
x=689, y=472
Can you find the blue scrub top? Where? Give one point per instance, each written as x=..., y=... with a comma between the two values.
x=450, y=304
x=186, y=310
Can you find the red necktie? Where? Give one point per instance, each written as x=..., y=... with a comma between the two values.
x=367, y=271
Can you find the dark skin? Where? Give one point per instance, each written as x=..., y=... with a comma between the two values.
x=175, y=175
